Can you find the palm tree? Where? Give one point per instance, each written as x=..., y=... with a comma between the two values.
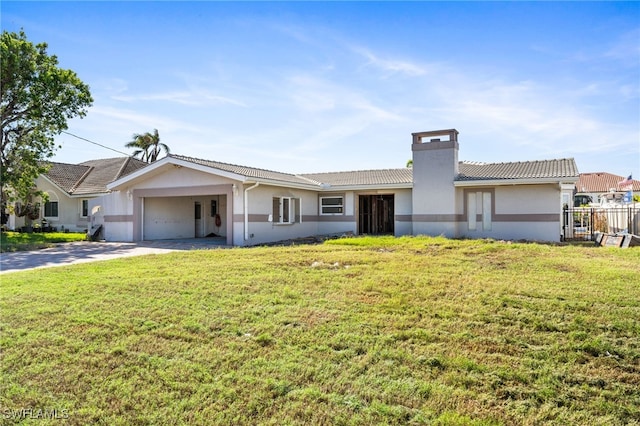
x=148, y=146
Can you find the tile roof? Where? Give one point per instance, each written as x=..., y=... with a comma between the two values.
x=359, y=177
x=602, y=182
x=560, y=168
x=91, y=177
x=66, y=176
x=250, y=172
x=364, y=177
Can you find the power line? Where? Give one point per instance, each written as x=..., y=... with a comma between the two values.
x=96, y=143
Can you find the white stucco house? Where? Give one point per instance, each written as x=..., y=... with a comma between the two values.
x=69, y=187
x=181, y=197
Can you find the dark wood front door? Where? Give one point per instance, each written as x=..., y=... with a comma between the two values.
x=375, y=214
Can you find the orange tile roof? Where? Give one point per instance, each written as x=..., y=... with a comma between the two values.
x=602, y=182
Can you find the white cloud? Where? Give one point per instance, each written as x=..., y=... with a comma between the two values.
x=310, y=94
x=392, y=66
x=329, y=115
x=322, y=94
x=113, y=86
x=520, y=120
x=191, y=98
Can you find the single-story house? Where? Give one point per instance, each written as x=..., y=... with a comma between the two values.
x=70, y=187
x=591, y=188
x=182, y=197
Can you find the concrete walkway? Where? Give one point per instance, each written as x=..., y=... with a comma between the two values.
x=84, y=251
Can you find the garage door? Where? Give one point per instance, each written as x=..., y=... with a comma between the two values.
x=168, y=218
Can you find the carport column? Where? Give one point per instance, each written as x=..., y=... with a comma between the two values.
x=138, y=216
x=229, y=191
x=246, y=210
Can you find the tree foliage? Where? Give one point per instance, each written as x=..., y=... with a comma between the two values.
x=147, y=146
x=37, y=99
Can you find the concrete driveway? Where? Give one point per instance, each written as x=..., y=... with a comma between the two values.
x=84, y=251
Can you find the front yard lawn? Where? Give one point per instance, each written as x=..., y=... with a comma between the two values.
x=354, y=331
x=16, y=241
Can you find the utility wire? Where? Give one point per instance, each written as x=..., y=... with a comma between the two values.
x=96, y=143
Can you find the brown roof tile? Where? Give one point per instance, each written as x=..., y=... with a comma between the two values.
x=602, y=182
x=66, y=176
x=91, y=177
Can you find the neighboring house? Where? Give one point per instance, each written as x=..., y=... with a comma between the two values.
x=598, y=185
x=182, y=197
x=70, y=187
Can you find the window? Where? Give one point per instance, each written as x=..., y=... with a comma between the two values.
x=331, y=205
x=286, y=210
x=85, y=208
x=51, y=209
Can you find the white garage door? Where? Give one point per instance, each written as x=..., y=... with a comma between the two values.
x=168, y=218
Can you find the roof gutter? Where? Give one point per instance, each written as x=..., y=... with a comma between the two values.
x=284, y=184
x=366, y=187
x=508, y=182
x=246, y=209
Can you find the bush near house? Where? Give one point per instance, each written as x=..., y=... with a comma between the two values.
x=353, y=331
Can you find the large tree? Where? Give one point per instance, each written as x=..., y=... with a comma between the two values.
x=147, y=146
x=37, y=99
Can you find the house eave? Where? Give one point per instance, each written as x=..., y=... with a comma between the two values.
x=122, y=183
x=272, y=182
x=56, y=185
x=89, y=194
x=389, y=186
x=511, y=182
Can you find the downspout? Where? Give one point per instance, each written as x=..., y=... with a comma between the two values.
x=246, y=210
x=141, y=218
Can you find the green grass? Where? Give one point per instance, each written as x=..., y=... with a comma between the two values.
x=16, y=241
x=354, y=331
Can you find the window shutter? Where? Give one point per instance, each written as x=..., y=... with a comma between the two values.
x=276, y=210
x=298, y=210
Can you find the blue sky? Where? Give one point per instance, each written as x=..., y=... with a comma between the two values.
x=328, y=86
